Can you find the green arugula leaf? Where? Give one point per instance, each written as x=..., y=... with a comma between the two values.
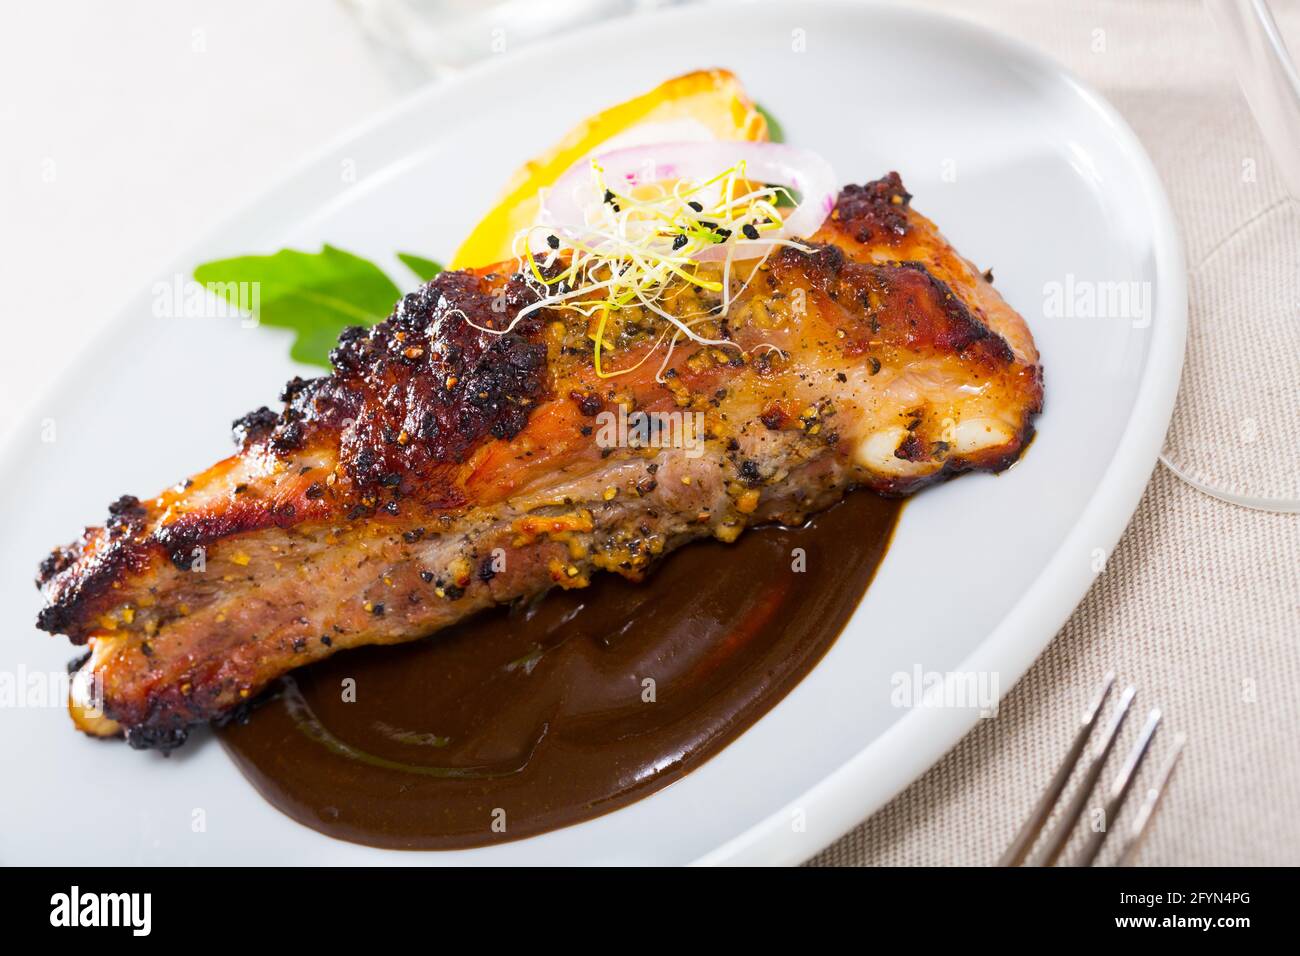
x=775, y=132
x=426, y=269
x=787, y=196
x=316, y=295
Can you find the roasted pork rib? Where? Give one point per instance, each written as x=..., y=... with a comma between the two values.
x=441, y=469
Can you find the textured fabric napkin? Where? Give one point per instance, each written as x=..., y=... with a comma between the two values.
x=1199, y=606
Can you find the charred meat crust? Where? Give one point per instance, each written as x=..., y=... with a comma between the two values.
x=901, y=305
x=421, y=388
x=874, y=213
x=83, y=570
x=424, y=387
x=406, y=442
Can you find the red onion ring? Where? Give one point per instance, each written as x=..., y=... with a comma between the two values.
x=566, y=203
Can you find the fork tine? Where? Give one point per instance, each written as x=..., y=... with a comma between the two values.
x=1155, y=793
x=1074, y=809
x=1019, y=848
x=1119, y=790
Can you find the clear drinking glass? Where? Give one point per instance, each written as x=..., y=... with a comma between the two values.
x=436, y=38
x=1236, y=428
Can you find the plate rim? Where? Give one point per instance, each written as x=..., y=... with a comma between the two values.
x=913, y=744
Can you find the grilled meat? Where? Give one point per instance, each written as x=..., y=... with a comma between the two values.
x=441, y=469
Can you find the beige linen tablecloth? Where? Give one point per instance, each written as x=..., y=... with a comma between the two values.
x=1199, y=606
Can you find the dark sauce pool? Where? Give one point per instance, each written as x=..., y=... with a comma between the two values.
x=539, y=716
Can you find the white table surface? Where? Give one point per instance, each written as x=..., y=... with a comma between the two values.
x=130, y=129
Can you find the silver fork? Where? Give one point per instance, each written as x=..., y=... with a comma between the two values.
x=1019, y=851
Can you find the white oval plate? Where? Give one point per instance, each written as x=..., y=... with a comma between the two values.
x=1022, y=167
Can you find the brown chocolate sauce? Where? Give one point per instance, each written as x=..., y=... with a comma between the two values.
x=544, y=711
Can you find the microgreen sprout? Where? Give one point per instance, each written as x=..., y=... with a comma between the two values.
x=638, y=240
